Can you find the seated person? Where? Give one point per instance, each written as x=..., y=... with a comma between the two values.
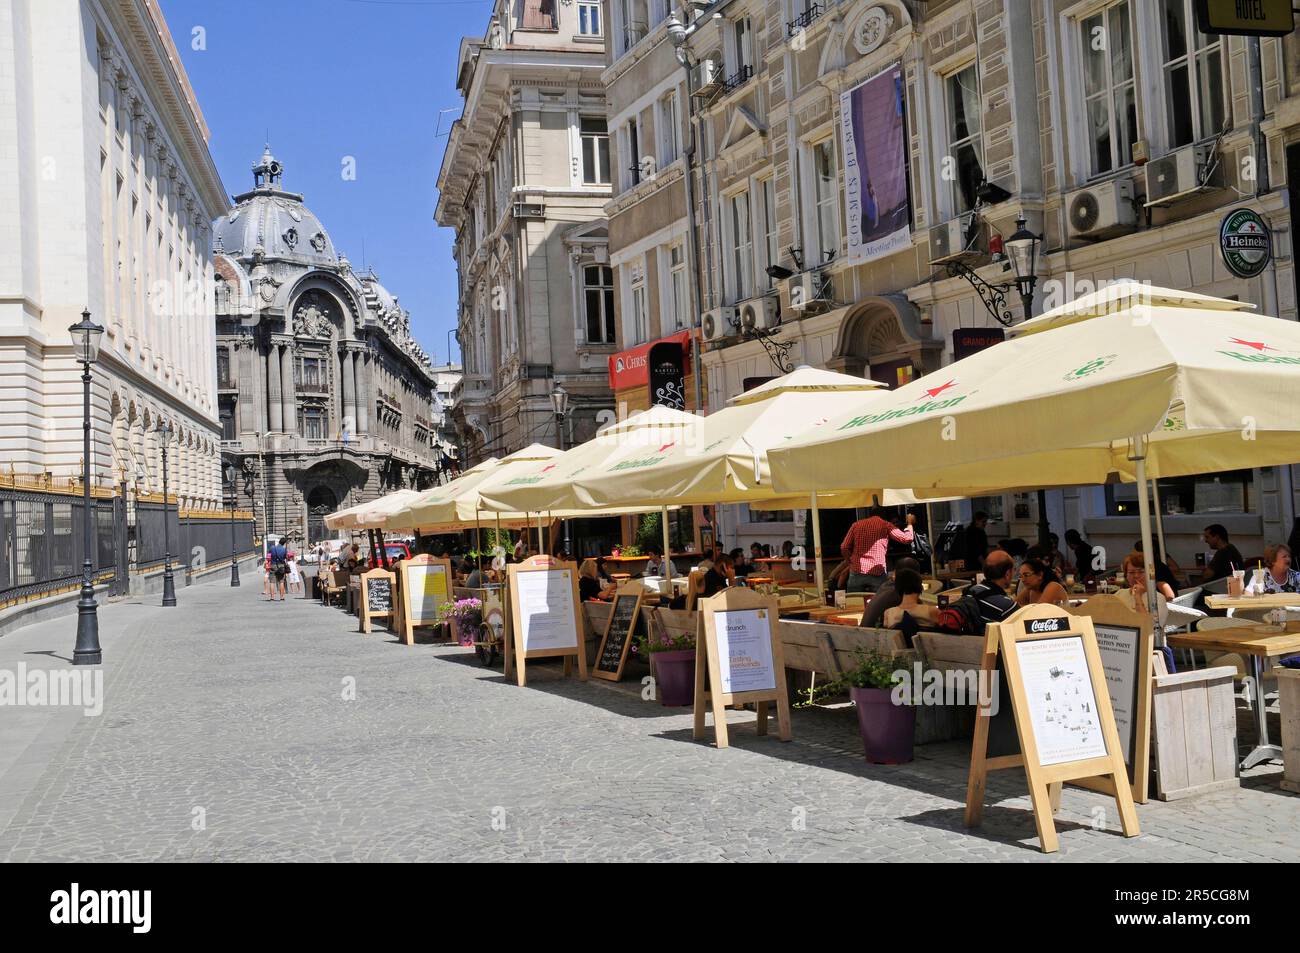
x=1135, y=596
x=653, y=563
x=720, y=575
x=1164, y=571
x=590, y=585
x=1277, y=575
x=907, y=583
x=738, y=562
x=477, y=578
x=1038, y=583
x=887, y=596
x=981, y=603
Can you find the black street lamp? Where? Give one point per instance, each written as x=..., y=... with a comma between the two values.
x=560, y=402
x=232, y=475
x=169, y=585
x=86, y=335
x=1022, y=250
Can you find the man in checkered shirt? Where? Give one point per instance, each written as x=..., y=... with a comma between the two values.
x=865, y=546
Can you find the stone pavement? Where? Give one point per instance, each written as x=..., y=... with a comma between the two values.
x=226, y=735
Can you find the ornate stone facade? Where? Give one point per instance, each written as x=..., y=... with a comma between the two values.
x=326, y=400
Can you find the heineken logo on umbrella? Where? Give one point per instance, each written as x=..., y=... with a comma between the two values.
x=927, y=404
x=1092, y=367
x=1246, y=242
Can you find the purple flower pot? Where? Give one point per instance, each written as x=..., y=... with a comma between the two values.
x=675, y=677
x=887, y=729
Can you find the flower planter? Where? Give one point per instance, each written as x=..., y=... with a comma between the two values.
x=887, y=729
x=675, y=677
x=466, y=627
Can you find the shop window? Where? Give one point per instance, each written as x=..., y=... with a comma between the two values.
x=1203, y=495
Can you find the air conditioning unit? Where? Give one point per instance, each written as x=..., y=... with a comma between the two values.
x=1182, y=173
x=529, y=210
x=810, y=293
x=718, y=324
x=959, y=238
x=1102, y=210
x=705, y=76
x=760, y=314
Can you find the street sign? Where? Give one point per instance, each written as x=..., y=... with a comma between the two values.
x=1246, y=242
x=1245, y=17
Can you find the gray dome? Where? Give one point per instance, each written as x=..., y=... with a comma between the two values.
x=273, y=220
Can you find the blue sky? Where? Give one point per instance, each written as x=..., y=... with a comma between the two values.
x=327, y=79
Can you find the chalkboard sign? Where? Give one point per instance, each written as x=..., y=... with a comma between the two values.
x=617, y=639
x=376, y=597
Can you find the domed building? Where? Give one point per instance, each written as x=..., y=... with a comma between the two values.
x=325, y=398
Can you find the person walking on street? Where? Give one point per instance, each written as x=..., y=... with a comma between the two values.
x=278, y=562
x=864, y=548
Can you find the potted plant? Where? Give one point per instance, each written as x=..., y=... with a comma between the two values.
x=887, y=727
x=674, y=666
x=465, y=616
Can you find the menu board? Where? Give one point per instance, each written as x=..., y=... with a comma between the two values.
x=744, y=638
x=1062, y=705
x=429, y=591
x=1119, y=646
x=618, y=634
x=547, y=618
x=379, y=595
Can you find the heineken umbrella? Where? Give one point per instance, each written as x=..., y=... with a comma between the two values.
x=1156, y=385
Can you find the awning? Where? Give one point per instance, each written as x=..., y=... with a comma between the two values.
x=631, y=368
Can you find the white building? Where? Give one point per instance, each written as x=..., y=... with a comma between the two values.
x=107, y=188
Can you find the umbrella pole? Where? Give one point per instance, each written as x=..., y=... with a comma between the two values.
x=668, y=560
x=817, y=550
x=1160, y=523
x=478, y=539
x=929, y=530
x=1144, y=518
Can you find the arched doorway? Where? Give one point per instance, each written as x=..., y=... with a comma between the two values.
x=321, y=502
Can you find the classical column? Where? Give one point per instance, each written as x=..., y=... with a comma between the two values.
x=348, y=374
x=274, y=405
x=364, y=394
x=288, y=394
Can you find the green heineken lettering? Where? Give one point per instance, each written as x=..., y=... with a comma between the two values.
x=1261, y=358
x=928, y=407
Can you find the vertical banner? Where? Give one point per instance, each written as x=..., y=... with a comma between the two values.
x=875, y=166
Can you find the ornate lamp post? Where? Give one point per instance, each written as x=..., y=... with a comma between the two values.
x=560, y=401
x=169, y=585
x=86, y=335
x=232, y=475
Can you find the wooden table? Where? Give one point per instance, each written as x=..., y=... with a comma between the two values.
x=844, y=618
x=814, y=610
x=1274, y=600
x=1258, y=647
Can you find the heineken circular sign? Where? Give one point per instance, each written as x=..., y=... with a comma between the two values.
x=1246, y=242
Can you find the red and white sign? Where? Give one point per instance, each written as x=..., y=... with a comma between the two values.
x=631, y=368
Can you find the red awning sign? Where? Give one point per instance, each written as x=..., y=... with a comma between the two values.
x=631, y=368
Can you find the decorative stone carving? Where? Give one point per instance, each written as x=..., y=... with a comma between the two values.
x=872, y=30
x=291, y=237
x=313, y=321
x=318, y=241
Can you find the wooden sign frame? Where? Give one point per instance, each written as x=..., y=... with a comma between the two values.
x=1045, y=780
x=408, y=623
x=627, y=589
x=1111, y=610
x=367, y=616
x=709, y=693
x=521, y=653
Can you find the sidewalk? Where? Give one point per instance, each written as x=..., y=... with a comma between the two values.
x=226, y=735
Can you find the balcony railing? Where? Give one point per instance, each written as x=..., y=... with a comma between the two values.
x=805, y=19
x=738, y=79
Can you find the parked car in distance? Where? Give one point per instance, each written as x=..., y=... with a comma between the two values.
x=396, y=551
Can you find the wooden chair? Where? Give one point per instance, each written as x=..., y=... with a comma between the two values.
x=335, y=586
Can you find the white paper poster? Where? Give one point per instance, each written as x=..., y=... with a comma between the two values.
x=745, y=650
x=546, y=613
x=428, y=591
x=1062, y=706
x=1118, y=646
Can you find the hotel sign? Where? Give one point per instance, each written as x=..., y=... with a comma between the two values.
x=1245, y=17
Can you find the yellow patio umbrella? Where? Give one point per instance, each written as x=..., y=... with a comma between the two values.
x=370, y=515
x=1156, y=383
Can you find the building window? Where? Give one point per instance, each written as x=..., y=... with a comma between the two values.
x=634, y=152
x=1193, y=72
x=668, y=132
x=589, y=19
x=598, y=302
x=827, y=197
x=1108, y=88
x=314, y=425
x=311, y=373
x=1204, y=495
x=595, y=151
x=223, y=368
x=742, y=235
x=677, y=284
x=965, y=151
x=771, y=243
x=538, y=15
x=640, y=316
x=229, y=423
x=744, y=40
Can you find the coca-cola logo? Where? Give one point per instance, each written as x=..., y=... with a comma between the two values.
x=1034, y=626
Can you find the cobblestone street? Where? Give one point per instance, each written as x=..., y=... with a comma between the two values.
x=228, y=714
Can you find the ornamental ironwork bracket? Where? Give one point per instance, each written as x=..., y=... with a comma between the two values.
x=993, y=296
x=777, y=351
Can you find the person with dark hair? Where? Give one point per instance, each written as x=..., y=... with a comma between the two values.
x=888, y=595
x=787, y=549
x=1082, y=551
x=983, y=602
x=1038, y=583
x=909, y=586
x=865, y=546
x=976, y=541
x=720, y=575
x=1226, y=556
x=1055, y=558
x=739, y=563
x=1164, y=572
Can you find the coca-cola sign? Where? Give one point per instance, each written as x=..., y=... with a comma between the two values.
x=1036, y=626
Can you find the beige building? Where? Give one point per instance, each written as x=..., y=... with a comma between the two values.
x=107, y=188
x=524, y=181
x=1120, y=133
